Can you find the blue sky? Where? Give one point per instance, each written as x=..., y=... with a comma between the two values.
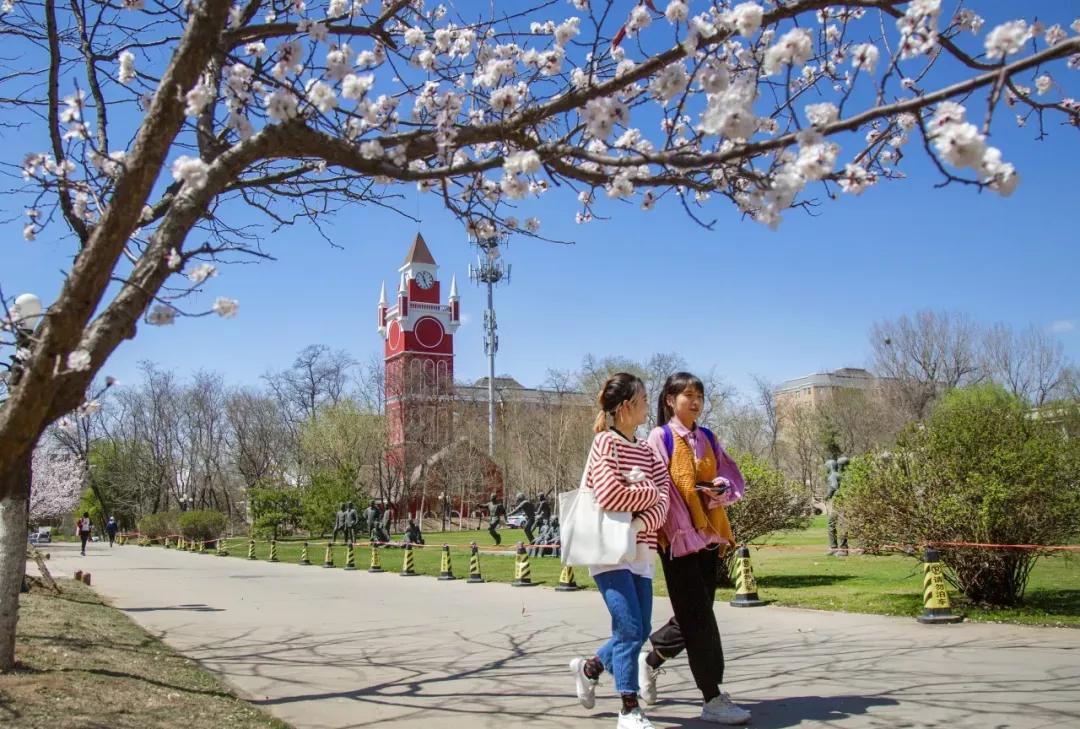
x=741, y=299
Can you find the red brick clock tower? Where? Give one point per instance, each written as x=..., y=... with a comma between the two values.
x=419, y=359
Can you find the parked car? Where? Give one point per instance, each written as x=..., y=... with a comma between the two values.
x=43, y=535
x=517, y=521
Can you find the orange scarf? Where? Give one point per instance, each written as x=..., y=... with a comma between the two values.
x=686, y=471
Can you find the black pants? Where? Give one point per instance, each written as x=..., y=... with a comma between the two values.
x=84, y=537
x=112, y=538
x=691, y=584
x=528, y=527
x=493, y=530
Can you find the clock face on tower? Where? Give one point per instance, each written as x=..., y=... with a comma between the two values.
x=425, y=280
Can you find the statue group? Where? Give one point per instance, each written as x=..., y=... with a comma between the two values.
x=542, y=542
x=376, y=522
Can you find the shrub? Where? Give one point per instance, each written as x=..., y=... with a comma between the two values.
x=274, y=509
x=772, y=503
x=160, y=525
x=203, y=525
x=324, y=496
x=981, y=469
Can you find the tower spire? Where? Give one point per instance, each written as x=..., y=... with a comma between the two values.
x=382, y=295
x=453, y=288
x=419, y=253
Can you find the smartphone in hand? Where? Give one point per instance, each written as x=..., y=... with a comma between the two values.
x=710, y=487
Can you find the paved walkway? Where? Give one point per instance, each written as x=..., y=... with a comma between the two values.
x=327, y=648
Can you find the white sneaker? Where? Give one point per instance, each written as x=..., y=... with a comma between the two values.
x=586, y=687
x=647, y=680
x=634, y=720
x=722, y=710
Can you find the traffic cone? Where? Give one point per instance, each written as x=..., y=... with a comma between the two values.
x=376, y=563
x=745, y=584
x=329, y=560
x=168, y=544
x=350, y=556
x=566, y=580
x=522, y=573
x=936, y=607
x=446, y=572
x=407, y=567
x=221, y=551
x=202, y=547
x=304, y=556
x=251, y=548
x=273, y=551
x=474, y=566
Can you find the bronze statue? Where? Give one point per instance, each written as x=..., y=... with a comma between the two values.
x=352, y=518
x=339, y=524
x=835, y=468
x=526, y=507
x=412, y=533
x=495, y=512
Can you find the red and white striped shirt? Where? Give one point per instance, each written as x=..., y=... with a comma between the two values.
x=610, y=459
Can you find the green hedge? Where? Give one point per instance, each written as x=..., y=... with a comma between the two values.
x=160, y=525
x=203, y=524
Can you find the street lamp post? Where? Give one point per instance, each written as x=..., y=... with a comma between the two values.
x=25, y=315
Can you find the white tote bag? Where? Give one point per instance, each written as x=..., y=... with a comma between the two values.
x=591, y=535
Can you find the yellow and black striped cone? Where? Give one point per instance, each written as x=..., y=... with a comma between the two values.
x=273, y=551
x=936, y=606
x=446, y=571
x=745, y=584
x=408, y=569
x=475, y=577
x=350, y=556
x=566, y=580
x=329, y=560
x=522, y=572
x=221, y=551
x=251, y=548
x=304, y=556
x=376, y=563
x=202, y=546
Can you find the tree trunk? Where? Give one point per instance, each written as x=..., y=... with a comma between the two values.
x=14, y=488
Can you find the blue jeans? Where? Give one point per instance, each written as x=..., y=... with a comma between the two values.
x=629, y=600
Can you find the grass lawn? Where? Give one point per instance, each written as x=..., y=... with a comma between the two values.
x=792, y=569
x=85, y=664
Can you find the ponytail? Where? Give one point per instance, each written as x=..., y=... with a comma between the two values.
x=600, y=424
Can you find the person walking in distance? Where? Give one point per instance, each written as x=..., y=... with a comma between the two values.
x=625, y=476
x=704, y=480
x=82, y=528
x=111, y=528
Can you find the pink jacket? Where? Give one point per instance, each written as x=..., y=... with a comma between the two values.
x=679, y=529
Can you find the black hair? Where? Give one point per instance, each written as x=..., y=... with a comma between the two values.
x=677, y=384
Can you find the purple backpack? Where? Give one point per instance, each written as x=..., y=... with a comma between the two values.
x=725, y=465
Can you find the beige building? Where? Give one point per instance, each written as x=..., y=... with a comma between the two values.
x=812, y=390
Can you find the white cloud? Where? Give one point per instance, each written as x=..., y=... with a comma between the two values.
x=1061, y=326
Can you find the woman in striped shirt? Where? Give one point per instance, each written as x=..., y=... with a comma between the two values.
x=625, y=475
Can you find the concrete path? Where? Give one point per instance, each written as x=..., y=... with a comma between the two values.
x=327, y=648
